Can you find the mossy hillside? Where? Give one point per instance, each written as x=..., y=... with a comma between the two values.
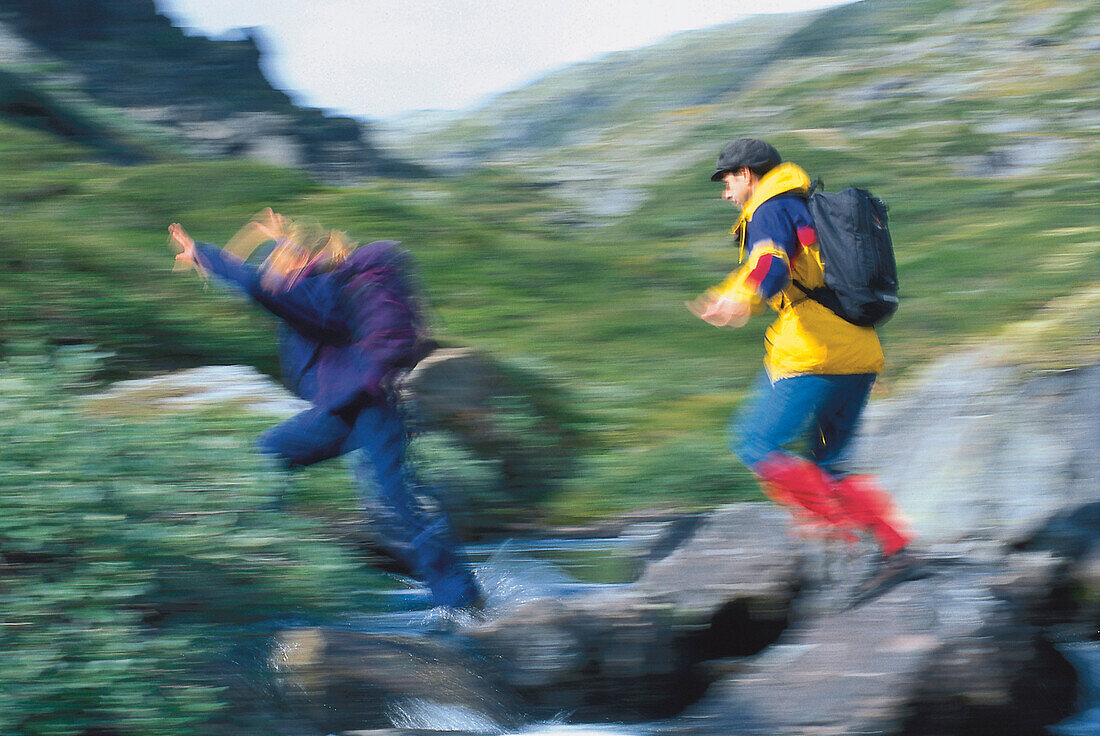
x=972, y=122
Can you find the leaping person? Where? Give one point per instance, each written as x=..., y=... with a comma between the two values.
x=349, y=323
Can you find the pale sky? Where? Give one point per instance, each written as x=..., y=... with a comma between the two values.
x=382, y=58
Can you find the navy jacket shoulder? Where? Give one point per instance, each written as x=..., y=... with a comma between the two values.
x=779, y=219
x=341, y=339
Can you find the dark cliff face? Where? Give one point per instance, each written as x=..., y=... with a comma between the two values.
x=130, y=56
x=81, y=19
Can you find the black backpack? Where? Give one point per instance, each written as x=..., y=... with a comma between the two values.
x=861, y=276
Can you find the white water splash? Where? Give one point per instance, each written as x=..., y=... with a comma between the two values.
x=426, y=715
x=510, y=579
x=576, y=729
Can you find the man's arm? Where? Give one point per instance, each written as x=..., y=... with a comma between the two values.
x=745, y=291
x=765, y=274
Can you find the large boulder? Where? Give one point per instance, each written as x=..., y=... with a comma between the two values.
x=342, y=679
x=488, y=436
x=607, y=655
x=945, y=655
x=977, y=449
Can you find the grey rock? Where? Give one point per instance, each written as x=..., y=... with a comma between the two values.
x=1084, y=583
x=495, y=415
x=611, y=653
x=207, y=386
x=1018, y=156
x=980, y=450
x=740, y=553
x=928, y=657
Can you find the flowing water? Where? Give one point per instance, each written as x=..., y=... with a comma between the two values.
x=515, y=572
x=510, y=574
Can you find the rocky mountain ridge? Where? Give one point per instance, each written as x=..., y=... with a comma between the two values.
x=84, y=68
x=990, y=89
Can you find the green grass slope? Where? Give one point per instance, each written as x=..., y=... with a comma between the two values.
x=575, y=248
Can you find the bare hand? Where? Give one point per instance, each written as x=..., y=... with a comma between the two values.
x=186, y=256
x=720, y=311
x=272, y=224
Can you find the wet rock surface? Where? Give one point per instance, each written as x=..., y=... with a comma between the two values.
x=341, y=679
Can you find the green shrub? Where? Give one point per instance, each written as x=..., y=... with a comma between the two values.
x=135, y=553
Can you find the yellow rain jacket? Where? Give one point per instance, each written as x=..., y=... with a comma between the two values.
x=807, y=337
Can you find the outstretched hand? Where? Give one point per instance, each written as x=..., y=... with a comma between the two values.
x=720, y=311
x=186, y=257
x=272, y=224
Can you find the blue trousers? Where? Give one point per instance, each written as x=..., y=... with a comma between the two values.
x=823, y=408
x=421, y=539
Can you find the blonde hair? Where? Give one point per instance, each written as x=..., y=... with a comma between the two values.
x=299, y=245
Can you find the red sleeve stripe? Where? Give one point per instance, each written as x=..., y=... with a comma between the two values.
x=758, y=274
x=806, y=236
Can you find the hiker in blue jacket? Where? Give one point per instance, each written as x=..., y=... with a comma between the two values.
x=347, y=327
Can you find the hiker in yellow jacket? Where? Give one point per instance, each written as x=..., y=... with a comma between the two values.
x=818, y=370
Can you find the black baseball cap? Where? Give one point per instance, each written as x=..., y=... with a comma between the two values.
x=760, y=156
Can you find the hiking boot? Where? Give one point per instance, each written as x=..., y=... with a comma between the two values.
x=891, y=571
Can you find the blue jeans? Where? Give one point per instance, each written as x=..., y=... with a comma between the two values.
x=423, y=540
x=823, y=408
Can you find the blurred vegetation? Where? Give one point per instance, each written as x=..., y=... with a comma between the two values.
x=135, y=554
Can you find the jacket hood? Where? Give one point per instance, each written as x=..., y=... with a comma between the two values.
x=782, y=179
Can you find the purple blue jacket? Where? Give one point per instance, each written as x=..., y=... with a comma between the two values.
x=344, y=332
